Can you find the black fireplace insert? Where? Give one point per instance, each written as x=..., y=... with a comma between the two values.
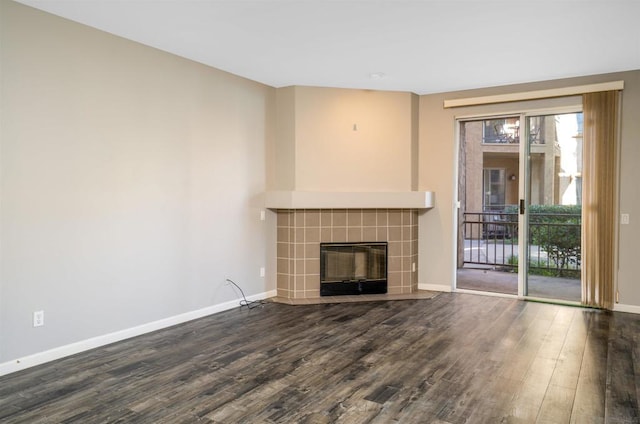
x=353, y=268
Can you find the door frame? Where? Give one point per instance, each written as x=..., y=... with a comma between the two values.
x=523, y=166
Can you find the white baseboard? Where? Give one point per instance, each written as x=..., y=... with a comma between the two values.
x=620, y=307
x=84, y=345
x=485, y=293
x=434, y=287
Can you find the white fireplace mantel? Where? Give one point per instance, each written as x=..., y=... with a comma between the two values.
x=349, y=200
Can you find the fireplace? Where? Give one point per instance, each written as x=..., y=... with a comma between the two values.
x=301, y=231
x=353, y=268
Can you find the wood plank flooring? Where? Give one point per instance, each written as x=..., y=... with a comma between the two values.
x=456, y=358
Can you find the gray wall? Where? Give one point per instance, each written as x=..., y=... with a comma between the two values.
x=131, y=183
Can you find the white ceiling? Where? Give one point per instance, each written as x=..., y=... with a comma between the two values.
x=418, y=46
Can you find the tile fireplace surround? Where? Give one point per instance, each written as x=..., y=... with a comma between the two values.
x=300, y=232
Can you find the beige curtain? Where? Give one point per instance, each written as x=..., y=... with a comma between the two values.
x=599, y=197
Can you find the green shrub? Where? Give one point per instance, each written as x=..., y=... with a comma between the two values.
x=513, y=261
x=557, y=230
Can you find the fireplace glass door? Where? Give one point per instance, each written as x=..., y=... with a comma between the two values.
x=353, y=268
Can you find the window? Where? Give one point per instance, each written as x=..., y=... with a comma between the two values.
x=494, y=189
x=505, y=130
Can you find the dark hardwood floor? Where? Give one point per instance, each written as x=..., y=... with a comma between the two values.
x=455, y=358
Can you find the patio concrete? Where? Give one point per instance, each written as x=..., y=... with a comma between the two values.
x=507, y=282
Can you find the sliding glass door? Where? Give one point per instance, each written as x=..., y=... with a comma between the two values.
x=552, y=209
x=520, y=195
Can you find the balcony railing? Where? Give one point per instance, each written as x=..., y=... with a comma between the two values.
x=491, y=240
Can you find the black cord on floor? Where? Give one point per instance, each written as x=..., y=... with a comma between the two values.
x=244, y=302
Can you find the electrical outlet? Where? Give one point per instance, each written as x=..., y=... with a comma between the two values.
x=38, y=318
x=624, y=218
x=262, y=215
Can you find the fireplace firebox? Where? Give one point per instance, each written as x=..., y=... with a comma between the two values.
x=353, y=268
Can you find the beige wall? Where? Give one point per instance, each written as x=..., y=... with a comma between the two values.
x=330, y=155
x=438, y=167
x=281, y=174
x=131, y=183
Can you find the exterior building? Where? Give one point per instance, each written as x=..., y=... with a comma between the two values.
x=491, y=162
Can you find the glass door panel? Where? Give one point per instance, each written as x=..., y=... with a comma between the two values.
x=488, y=181
x=553, y=197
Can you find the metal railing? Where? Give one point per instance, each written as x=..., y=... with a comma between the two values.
x=491, y=240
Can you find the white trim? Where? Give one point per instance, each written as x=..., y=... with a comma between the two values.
x=455, y=207
x=553, y=301
x=535, y=95
x=349, y=200
x=555, y=110
x=435, y=287
x=94, y=342
x=524, y=168
x=620, y=307
x=488, y=293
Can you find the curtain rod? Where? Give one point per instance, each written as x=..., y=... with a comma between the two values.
x=534, y=95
